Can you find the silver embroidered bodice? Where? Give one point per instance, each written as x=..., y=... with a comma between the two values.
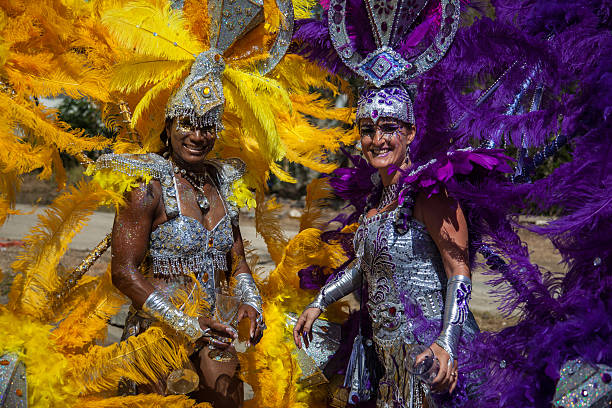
x=182, y=246
x=397, y=265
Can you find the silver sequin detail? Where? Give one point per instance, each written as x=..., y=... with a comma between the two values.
x=200, y=96
x=394, y=264
x=182, y=245
x=388, y=102
x=13, y=382
x=384, y=65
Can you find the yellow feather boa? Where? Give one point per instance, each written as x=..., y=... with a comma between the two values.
x=46, y=368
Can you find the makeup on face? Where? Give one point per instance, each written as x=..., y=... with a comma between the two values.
x=190, y=143
x=384, y=143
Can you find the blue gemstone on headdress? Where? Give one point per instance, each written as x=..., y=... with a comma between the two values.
x=382, y=66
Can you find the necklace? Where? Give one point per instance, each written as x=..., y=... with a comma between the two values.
x=389, y=194
x=197, y=181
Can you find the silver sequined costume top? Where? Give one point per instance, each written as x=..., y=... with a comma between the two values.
x=399, y=270
x=182, y=245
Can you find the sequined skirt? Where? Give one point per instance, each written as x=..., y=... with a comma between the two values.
x=398, y=388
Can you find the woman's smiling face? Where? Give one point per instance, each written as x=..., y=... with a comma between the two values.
x=190, y=144
x=384, y=144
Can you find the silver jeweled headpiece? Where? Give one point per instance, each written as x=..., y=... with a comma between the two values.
x=200, y=96
x=391, y=102
x=392, y=21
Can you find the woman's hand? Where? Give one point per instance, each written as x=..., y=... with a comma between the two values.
x=256, y=330
x=214, y=331
x=303, y=326
x=446, y=380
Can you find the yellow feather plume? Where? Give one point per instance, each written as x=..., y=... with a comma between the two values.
x=316, y=193
x=117, y=182
x=18, y=156
x=47, y=243
x=87, y=322
x=270, y=368
x=142, y=401
x=36, y=120
x=9, y=185
x=198, y=21
x=160, y=89
x=303, y=8
x=152, y=31
x=255, y=99
x=268, y=225
x=137, y=73
x=144, y=358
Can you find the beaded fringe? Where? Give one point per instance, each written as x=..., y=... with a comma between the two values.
x=174, y=266
x=132, y=168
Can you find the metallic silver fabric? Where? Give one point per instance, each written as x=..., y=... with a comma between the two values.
x=248, y=292
x=391, y=21
x=13, y=382
x=161, y=309
x=583, y=385
x=230, y=20
x=345, y=282
x=200, y=96
x=390, y=101
x=399, y=268
x=324, y=344
x=456, y=311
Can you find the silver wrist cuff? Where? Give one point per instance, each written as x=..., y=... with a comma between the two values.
x=161, y=309
x=456, y=310
x=341, y=285
x=248, y=292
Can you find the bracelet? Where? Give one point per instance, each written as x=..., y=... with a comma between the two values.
x=248, y=292
x=456, y=310
x=345, y=282
x=160, y=308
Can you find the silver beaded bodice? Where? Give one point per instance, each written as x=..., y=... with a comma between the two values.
x=397, y=265
x=182, y=246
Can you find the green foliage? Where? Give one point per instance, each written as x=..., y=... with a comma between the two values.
x=83, y=114
x=86, y=115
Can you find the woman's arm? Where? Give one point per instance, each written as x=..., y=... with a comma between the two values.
x=345, y=282
x=131, y=231
x=447, y=226
x=247, y=290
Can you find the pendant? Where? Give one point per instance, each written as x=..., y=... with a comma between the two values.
x=203, y=202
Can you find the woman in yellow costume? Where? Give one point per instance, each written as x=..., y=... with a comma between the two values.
x=178, y=70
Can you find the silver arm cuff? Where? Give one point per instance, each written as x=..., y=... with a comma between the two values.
x=341, y=285
x=160, y=308
x=248, y=292
x=456, y=310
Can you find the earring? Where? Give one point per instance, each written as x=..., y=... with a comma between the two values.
x=166, y=154
x=407, y=154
